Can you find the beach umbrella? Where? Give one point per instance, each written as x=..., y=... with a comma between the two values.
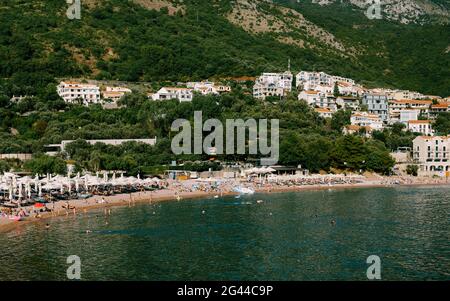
x=29, y=190
x=270, y=169
x=11, y=196
x=20, y=192
x=39, y=205
x=40, y=190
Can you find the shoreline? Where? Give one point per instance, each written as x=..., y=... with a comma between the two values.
x=121, y=200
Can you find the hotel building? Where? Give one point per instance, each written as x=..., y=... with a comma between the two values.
x=72, y=92
x=432, y=154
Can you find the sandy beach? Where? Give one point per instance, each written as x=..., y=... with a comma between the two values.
x=178, y=192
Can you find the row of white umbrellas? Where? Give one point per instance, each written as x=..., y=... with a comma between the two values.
x=260, y=170
x=313, y=177
x=21, y=186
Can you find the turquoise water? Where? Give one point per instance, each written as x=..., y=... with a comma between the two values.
x=287, y=237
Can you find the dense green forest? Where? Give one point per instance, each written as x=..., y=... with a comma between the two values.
x=117, y=39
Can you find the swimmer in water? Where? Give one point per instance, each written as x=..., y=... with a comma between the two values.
x=333, y=222
x=47, y=226
x=88, y=231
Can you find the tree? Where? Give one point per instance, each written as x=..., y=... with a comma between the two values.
x=378, y=158
x=44, y=164
x=336, y=90
x=340, y=119
x=442, y=124
x=349, y=152
x=4, y=166
x=412, y=170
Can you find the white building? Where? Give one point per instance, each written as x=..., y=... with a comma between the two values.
x=115, y=93
x=324, y=112
x=407, y=115
x=396, y=107
x=364, y=119
x=272, y=84
x=309, y=80
x=206, y=87
x=405, y=94
x=74, y=91
x=346, y=88
x=356, y=129
x=166, y=93
x=318, y=99
x=432, y=154
x=421, y=126
x=436, y=109
x=348, y=102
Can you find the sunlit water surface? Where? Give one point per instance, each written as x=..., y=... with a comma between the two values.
x=289, y=236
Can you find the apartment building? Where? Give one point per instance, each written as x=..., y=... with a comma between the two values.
x=273, y=84
x=356, y=129
x=405, y=94
x=324, y=112
x=377, y=104
x=364, y=119
x=166, y=93
x=207, y=87
x=73, y=92
x=348, y=102
x=396, y=107
x=436, y=109
x=318, y=99
x=115, y=93
x=432, y=154
x=421, y=126
x=309, y=80
x=407, y=115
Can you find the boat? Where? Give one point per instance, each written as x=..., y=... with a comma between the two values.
x=243, y=190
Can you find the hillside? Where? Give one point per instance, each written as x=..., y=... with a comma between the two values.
x=155, y=40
